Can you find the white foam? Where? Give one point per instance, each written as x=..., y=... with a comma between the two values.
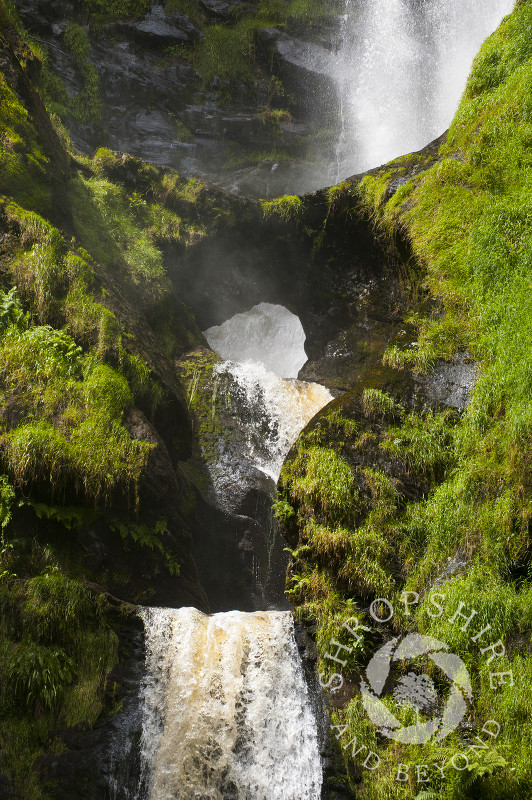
x=400, y=71
x=227, y=712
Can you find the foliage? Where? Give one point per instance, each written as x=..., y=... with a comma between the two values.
x=446, y=501
x=85, y=448
x=150, y=538
x=7, y=497
x=378, y=404
x=327, y=485
x=228, y=52
x=286, y=209
x=87, y=105
x=39, y=675
x=23, y=165
x=116, y=9
x=56, y=650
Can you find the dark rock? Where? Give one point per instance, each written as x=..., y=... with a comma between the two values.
x=104, y=762
x=219, y=8
x=450, y=383
x=161, y=30
x=155, y=106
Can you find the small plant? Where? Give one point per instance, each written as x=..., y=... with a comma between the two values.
x=377, y=404
x=11, y=312
x=7, y=497
x=286, y=209
x=282, y=510
x=39, y=675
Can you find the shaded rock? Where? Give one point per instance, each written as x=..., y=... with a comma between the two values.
x=450, y=383
x=161, y=30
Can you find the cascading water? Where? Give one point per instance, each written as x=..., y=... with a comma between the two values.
x=227, y=710
x=227, y=714
x=400, y=70
x=265, y=351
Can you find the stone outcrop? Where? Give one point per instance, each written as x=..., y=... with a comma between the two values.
x=156, y=107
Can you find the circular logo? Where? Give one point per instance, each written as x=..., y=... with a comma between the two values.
x=416, y=690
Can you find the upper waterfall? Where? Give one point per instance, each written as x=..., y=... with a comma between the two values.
x=400, y=70
x=264, y=351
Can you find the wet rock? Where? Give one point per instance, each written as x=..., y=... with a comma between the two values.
x=104, y=762
x=160, y=29
x=450, y=383
x=155, y=106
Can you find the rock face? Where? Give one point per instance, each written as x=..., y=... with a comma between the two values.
x=156, y=107
x=104, y=762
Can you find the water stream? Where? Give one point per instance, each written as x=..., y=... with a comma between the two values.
x=227, y=711
x=264, y=352
x=400, y=69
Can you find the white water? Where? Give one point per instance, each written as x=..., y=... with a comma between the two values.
x=274, y=411
x=267, y=334
x=227, y=714
x=265, y=348
x=400, y=70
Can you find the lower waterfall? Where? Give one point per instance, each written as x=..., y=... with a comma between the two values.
x=227, y=712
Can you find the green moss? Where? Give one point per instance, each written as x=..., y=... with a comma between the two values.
x=86, y=107
x=56, y=650
x=23, y=166
x=286, y=209
x=466, y=523
x=104, y=11
x=228, y=52
x=75, y=439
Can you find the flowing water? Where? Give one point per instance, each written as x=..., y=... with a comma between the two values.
x=274, y=411
x=227, y=711
x=264, y=348
x=227, y=714
x=400, y=70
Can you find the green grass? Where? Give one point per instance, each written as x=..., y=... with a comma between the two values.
x=23, y=165
x=287, y=209
x=467, y=220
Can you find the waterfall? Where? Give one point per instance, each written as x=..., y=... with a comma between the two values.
x=265, y=351
x=400, y=70
x=227, y=713
x=273, y=411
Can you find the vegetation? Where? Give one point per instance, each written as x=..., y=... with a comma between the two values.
x=379, y=496
x=56, y=652
x=86, y=106
x=89, y=326
x=444, y=498
x=227, y=52
x=286, y=209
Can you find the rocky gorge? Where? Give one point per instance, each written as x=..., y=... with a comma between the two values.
x=122, y=432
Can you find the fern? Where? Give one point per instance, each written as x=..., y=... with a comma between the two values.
x=38, y=675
